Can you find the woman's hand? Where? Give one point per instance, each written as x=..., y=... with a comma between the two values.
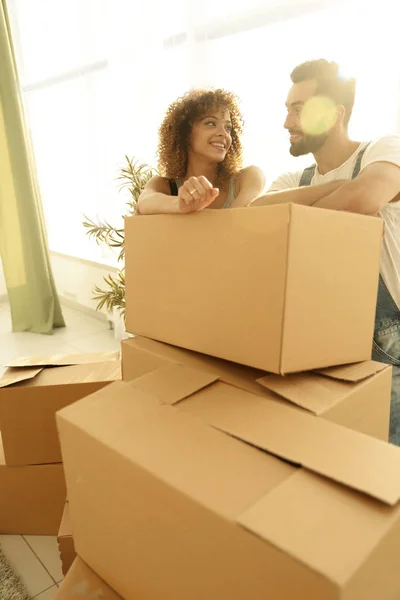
x=195, y=194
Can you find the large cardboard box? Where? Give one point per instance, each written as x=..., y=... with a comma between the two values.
x=31, y=498
x=195, y=510
x=65, y=540
x=31, y=392
x=357, y=396
x=281, y=288
x=82, y=583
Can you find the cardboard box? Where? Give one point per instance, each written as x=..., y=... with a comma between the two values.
x=65, y=540
x=83, y=584
x=356, y=396
x=196, y=510
x=31, y=498
x=31, y=392
x=280, y=288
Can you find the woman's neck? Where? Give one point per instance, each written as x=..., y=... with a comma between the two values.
x=197, y=167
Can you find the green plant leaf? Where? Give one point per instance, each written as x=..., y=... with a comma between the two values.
x=132, y=178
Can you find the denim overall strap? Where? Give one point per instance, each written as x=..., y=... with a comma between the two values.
x=386, y=349
x=307, y=175
x=357, y=166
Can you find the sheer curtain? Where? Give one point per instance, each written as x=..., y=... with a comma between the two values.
x=97, y=76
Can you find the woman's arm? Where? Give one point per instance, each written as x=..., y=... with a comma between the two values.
x=156, y=198
x=251, y=183
x=196, y=193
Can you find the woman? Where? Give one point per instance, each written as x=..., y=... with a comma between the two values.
x=200, y=158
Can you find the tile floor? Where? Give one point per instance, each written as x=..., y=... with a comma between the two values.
x=36, y=558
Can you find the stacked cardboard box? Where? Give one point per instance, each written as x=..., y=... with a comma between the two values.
x=283, y=288
x=182, y=486
x=31, y=474
x=213, y=476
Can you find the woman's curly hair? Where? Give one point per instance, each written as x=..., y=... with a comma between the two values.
x=177, y=125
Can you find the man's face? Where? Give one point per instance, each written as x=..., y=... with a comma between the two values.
x=309, y=118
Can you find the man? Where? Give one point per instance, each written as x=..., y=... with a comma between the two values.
x=358, y=177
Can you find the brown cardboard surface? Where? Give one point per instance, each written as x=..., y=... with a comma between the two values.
x=82, y=583
x=309, y=390
x=17, y=374
x=362, y=404
x=76, y=374
x=326, y=307
x=22, y=369
x=65, y=540
x=355, y=372
x=31, y=498
x=227, y=520
x=367, y=408
x=283, y=275
x=27, y=408
x=374, y=467
x=174, y=382
x=57, y=360
x=288, y=524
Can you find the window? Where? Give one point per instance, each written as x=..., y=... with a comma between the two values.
x=97, y=76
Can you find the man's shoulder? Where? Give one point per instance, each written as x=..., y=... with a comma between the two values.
x=386, y=141
x=286, y=181
x=385, y=148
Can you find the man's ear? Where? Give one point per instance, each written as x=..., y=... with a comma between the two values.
x=340, y=114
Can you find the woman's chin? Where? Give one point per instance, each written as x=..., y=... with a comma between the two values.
x=213, y=156
x=218, y=157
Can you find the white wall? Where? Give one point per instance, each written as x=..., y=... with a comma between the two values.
x=75, y=279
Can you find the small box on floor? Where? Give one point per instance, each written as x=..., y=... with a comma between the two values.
x=357, y=396
x=65, y=540
x=283, y=288
x=204, y=490
x=31, y=392
x=82, y=583
x=31, y=498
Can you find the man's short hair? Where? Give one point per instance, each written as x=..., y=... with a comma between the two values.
x=330, y=83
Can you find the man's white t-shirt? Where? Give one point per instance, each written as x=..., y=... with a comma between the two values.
x=386, y=149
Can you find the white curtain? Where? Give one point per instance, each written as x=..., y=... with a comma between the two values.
x=97, y=76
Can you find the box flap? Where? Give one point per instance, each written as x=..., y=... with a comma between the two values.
x=328, y=527
x=58, y=360
x=311, y=391
x=173, y=383
x=77, y=374
x=14, y=375
x=355, y=372
x=343, y=455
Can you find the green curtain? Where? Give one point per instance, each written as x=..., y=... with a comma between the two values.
x=23, y=242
